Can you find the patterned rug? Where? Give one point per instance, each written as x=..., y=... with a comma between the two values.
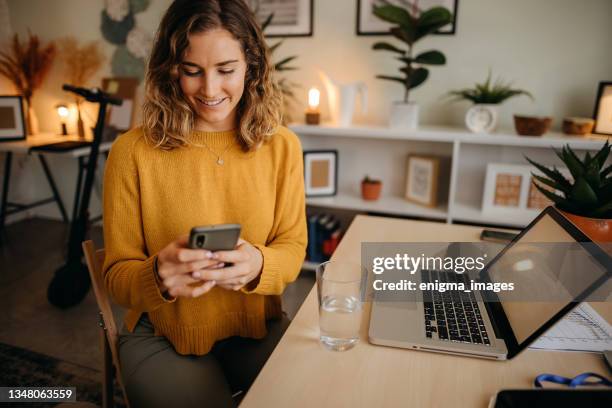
x=25, y=368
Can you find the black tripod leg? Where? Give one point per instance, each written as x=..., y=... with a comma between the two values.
x=5, y=187
x=56, y=195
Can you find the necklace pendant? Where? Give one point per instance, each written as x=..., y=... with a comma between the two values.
x=220, y=161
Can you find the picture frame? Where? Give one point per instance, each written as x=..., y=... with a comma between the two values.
x=370, y=25
x=292, y=18
x=121, y=117
x=12, y=118
x=427, y=179
x=603, y=109
x=320, y=173
x=509, y=191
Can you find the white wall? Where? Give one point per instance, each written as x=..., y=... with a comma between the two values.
x=556, y=49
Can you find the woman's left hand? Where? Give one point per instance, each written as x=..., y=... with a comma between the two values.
x=247, y=264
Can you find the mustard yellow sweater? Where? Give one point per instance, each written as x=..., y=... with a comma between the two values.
x=152, y=196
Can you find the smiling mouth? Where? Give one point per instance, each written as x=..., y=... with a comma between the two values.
x=211, y=102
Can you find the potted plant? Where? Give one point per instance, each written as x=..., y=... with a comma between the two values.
x=410, y=26
x=285, y=85
x=587, y=200
x=483, y=117
x=26, y=66
x=370, y=189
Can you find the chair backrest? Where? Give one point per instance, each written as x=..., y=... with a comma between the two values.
x=95, y=261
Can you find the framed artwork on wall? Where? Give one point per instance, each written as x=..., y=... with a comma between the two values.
x=427, y=179
x=292, y=18
x=603, y=109
x=12, y=121
x=369, y=24
x=320, y=172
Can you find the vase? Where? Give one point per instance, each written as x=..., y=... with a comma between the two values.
x=598, y=229
x=482, y=118
x=404, y=115
x=31, y=121
x=371, y=191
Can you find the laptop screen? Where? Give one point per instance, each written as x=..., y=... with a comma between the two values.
x=548, y=268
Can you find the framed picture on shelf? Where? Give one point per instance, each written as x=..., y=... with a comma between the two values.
x=320, y=172
x=427, y=179
x=509, y=190
x=369, y=24
x=292, y=18
x=120, y=117
x=603, y=109
x=12, y=121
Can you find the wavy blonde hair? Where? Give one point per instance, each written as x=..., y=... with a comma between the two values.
x=168, y=118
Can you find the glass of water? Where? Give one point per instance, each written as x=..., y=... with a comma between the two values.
x=339, y=288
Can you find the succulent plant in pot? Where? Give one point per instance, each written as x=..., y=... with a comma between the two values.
x=587, y=200
x=410, y=26
x=370, y=188
x=486, y=97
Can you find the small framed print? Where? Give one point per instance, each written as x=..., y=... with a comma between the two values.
x=369, y=24
x=427, y=179
x=320, y=172
x=509, y=190
x=12, y=121
x=603, y=109
x=292, y=18
x=121, y=117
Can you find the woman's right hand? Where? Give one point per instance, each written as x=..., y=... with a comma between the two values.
x=177, y=262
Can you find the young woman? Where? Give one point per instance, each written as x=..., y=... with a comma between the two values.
x=211, y=150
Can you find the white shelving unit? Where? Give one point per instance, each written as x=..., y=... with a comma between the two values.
x=381, y=153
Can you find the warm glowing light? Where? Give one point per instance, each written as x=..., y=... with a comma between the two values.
x=313, y=98
x=62, y=111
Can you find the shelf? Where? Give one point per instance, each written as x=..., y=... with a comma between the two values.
x=473, y=214
x=385, y=205
x=452, y=134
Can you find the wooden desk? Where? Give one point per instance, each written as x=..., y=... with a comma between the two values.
x=301, y=373
x=23, y=147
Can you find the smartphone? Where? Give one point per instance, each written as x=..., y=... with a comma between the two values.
x=222, y=237
x=497, y=236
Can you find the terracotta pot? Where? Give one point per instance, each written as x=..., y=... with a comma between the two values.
x=598, y=229
x=371, y=191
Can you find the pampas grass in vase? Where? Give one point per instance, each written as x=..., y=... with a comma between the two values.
x=26, y=66
x=82, y=63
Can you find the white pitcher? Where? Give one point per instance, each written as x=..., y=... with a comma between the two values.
x=341, y=99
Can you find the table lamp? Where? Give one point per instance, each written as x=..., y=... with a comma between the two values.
x=313, y=116
x=63, y=112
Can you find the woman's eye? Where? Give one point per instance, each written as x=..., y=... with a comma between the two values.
x=191, y=73
x=227, y=72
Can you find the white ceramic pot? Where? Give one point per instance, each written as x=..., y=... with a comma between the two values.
x=482, y=118
x=404, y=115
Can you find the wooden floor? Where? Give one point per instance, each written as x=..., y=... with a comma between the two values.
x=29, y=254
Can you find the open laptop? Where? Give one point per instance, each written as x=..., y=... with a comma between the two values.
x=462, y=323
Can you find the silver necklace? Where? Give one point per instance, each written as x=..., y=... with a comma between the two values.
x=219, y=157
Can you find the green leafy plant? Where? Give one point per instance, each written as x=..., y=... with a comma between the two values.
x=368, y=180
x=286, y=86
x=489, y=93
x=590, y=194
x=409, y=27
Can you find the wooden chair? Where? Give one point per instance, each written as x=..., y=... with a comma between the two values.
x=108, y=332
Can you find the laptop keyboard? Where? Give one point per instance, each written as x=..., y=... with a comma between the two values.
x=452, y=315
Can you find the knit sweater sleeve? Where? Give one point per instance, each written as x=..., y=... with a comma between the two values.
x=285, y=250
x=129, y=273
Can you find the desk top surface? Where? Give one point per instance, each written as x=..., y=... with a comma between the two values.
x=23, y=146
x=300, y=372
